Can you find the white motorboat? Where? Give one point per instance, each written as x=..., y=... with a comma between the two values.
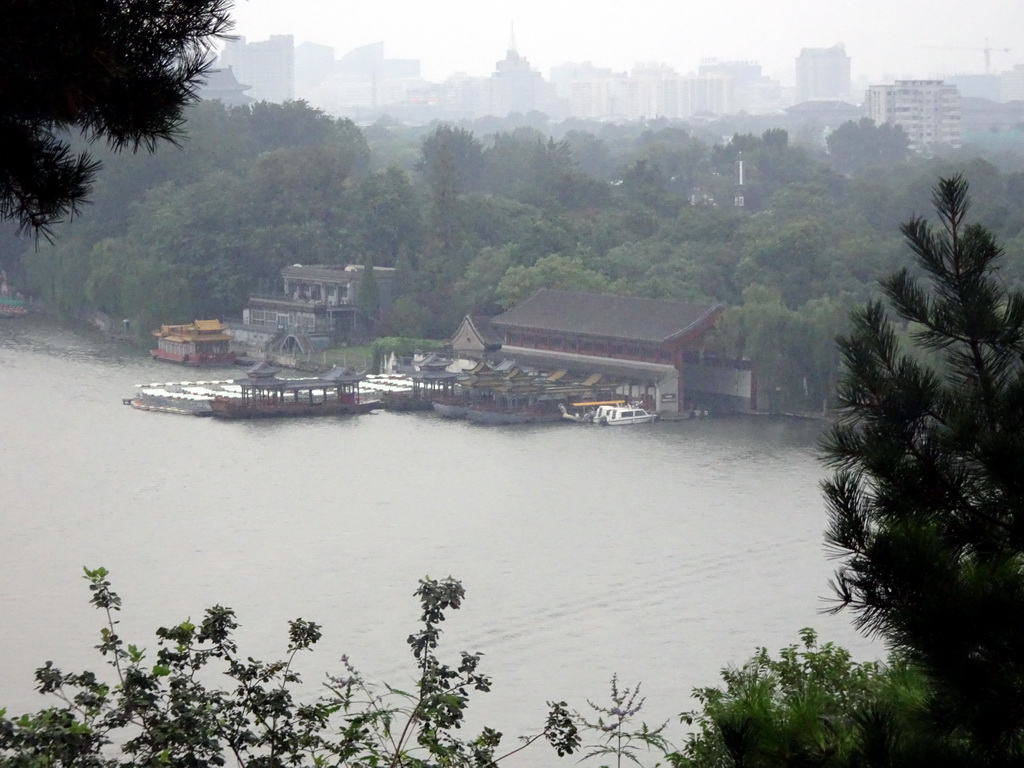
x=620, y=415
x=586, y=412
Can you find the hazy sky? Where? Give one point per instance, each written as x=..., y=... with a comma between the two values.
x=905, y=38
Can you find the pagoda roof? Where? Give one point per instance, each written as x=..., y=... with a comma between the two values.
x=609, y=316
x=205, y=330
x=433, y=375
x=261, y=370
x=434, y=362
x=342, y=375
x=208, y=325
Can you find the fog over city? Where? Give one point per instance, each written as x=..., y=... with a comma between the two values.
x=885, y=40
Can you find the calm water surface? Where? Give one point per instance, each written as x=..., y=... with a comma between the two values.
x=659, y=553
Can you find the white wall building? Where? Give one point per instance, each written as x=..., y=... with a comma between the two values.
x=1012, y=84
x=710, y=93
x=927, y=110
x=590, y=92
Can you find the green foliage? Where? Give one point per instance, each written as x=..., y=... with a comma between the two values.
x=793, y=351
x=477, y=224
x=926, y=502
x=618, y=738
x=409, y=316
x=811, y=706
x=389, y=218
x=117, y=72
x=399, y=346
x=555, y=272
x=857, y=147
x=368, y=295
x=167, y=710
x=452, y=161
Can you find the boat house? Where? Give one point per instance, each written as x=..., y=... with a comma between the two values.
x=202, y=342
x=652, y=347
x=319, y=305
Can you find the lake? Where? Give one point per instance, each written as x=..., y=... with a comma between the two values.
x=658, y=552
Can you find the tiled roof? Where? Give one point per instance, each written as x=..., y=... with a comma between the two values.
x=608, y=316
x=342, y=375
x=334, y=273
x=488, y=334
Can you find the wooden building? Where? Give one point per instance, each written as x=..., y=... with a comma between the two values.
x=649, y=345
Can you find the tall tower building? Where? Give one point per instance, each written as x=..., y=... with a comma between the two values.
x=515, y=85
x=268, y=66
x=927, y=110
x=822, y=73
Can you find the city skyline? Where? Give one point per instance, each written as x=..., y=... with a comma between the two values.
x=906, y=38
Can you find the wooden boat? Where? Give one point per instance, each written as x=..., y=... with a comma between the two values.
x=12, y=306
x=263, y=395
x=232, y=408
x=202, y=342
x=450, y=410
x=405, y=401
x=526, y=415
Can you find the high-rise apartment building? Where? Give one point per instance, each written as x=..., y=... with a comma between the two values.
x=754, y=93
x=823, y=73
x=1012, y=84
x=707, y=93
x=652, y=90
x=927, y=110
x=267, y=66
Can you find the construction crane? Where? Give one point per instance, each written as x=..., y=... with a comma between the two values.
x=986, y=49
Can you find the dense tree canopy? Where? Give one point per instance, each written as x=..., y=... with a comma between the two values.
x=927, y=499
x=860, y=146
x=472, y=221
x=811, y=706
x=116, y=70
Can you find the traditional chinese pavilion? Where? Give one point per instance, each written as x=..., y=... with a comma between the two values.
x=202, y=342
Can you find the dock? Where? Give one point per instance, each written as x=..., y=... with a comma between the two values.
x=192, y=398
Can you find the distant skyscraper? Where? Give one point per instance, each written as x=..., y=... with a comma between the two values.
x=314, y=64
x=653, y=90
x=707, y=93
x=927, y=110
x=1012, y=84
x=516, y=86
x=823, y=73
x=591, y=92
x=269, y=66
x=754, y=92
